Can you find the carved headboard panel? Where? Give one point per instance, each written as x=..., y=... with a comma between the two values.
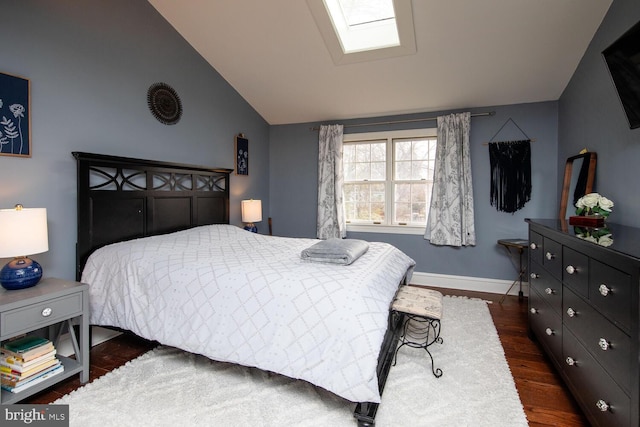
x=121, y=198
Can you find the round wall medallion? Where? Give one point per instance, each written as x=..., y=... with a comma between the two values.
x=164, y=103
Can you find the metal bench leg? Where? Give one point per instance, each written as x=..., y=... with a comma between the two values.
x=419, y=335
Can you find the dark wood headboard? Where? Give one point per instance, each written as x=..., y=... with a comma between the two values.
x=121, y=198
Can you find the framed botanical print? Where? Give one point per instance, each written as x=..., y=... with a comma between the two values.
x=242, y=155
x=15, y=112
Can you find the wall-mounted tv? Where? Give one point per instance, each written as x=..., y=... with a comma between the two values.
x=623, y=60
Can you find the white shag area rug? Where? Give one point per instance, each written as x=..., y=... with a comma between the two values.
x=168, y=387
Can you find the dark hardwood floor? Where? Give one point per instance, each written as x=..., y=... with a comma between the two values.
x=545, y=399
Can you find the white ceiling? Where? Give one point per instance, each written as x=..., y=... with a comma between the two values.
x=470, y=53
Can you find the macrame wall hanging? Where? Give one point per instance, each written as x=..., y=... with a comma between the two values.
x=510, y=172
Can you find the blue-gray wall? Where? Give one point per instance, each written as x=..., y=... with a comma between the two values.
x=591, y=116
x=293, y=183
x=90, y=64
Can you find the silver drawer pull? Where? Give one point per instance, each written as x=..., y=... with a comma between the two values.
x=550, y=256
x=571, y=312
x=548, y=331
x=604, y=344
x=602, y=405
x=604, y=290
x=549, y=291
x=534, y=275
x=570, y=269
x=533, y=311
x=570, y=361
x=533, y=245
x=47, y=312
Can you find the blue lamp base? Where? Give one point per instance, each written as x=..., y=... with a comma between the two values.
x=20, y=273
x=251, y=227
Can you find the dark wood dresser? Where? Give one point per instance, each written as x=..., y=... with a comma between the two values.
x=583, y=310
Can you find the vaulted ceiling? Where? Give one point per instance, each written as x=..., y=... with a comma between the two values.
x=470, y=53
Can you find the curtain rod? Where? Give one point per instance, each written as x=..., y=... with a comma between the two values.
x=393, y=122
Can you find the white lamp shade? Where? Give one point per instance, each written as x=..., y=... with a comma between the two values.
x=251, y=210
x=23, y=232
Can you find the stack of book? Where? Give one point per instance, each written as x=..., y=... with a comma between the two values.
x=27, y=361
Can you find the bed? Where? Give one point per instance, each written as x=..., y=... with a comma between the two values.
x=156, y=247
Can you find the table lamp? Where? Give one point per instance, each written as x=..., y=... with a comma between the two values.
x=251, y=212
x=22, y=232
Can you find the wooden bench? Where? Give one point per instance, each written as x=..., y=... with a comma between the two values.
x=422, y=311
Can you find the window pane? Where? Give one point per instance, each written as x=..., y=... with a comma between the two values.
x=377, y=193
x=365, y=202
x=363, y=171
x=419, y=193
x=365, y=161
x=431, y=166
x=403, y=212
x=377, y=211
x=362, y=211
x=419, y=170
x=403, y=193
x=348, y=153
x=420, y=149
x=403, y=150
x=379, y=152
x=363, y=153
x=403, y=170
x=349, y=193
x=411, y=202
x=361, y=192
x=378, y=171
x=349, y=171
x=413, y=161
x=418, y=212
x=432, y=148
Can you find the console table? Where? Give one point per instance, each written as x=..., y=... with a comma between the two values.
x=583, y=310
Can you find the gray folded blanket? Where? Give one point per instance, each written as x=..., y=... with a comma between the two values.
x=335, y=251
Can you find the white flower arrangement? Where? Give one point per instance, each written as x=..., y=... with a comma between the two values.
x=600, y=236
x=594, y=204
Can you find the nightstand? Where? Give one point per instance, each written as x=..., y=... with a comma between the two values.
x=50, y=308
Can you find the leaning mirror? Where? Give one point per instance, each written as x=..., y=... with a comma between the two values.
x=579, y=175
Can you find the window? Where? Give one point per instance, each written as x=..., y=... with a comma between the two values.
x=364, y=24
x=388, y=178
x=365, y=30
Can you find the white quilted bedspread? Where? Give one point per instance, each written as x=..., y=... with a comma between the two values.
x=247, y=298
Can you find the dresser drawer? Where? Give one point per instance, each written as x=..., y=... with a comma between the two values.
x=594, y=385
x=536, y=247
x=549, y=288
x=546, y=324
x=575, y=272
x=42, y=314
x=552, y=259
x=609, y=345
x=610, y=292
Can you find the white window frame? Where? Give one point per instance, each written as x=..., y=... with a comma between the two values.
x=389, y=136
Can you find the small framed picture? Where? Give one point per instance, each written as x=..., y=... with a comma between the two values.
x=242, y=155
x=15, y=112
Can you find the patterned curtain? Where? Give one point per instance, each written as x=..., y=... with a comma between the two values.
x=450, y=220
x=331, y=216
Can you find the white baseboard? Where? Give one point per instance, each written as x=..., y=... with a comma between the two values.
x=98, y=335
x=478, y=284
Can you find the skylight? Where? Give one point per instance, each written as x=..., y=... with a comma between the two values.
x=365, y=30
x=364, y=24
